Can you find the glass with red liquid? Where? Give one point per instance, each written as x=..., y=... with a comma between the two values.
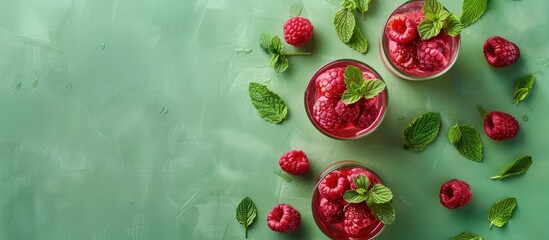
x=372, y=111
x=402, y=57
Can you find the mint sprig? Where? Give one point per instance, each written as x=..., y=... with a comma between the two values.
x=246, y=211
x=524, y=86
x=467, y=236
x=472, y=10
x=378, y=198
x=502, y=211
x=346, y=27
x=519, y=166
x=467, y=141
x=358, y=87
x=422, y=131
x=273, y=45
x=438, y=18
x=268, y=104
x=344, y=23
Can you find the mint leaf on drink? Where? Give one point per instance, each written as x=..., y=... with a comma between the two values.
x=378, y=198
x=437, y=18
x=467, y=236
x=361, y=181
x=268, y=104
x=373, y=88
x=454, y=134
x=358, y=87
x=472, y=10
x=470, y=144
x=422, y=131
x=379, y=194
x=519, y=166
x=502, y=211
x=433, y=22
x=385, y=212
x=453, y=25
x=344, y=23
x=246, y=211
x=524, y=86
x=354, y=196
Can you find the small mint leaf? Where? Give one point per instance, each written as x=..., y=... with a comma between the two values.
x=373, y=88
x=422, y=131
x=385, y=212
x=519, y=166
x=470, y=145
x=361, y=191
x=467, y=236
x=350, y=97
x=502, y=211
x=432, y=8
x=524, y=86
x=358, y=42
x=353, y=74
x=349, y=4
x=362, y=181
x=344, y=23
x=352, y=196
x=278, y=47
x=268, y=104
x=362, y=5
x=282, y=64
x=472, y=10
x=246, y=211
x=427, y=29
x=454, y=134
x=379, y=194
x=453, y=26
x=265, y=43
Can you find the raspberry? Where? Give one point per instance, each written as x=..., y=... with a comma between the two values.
x=433, y=54
x=357, y=171
x=284, y=218
x=368, y=103
x=331, y=83
x=294, y=162
x=347, y=112
x=366, y=118
x=333, y=186
x=500, y=52
x=332, y=211
x=356, y=220
x=500, y=126
x=298, y=31
x=401, y=29
x=455, y=193
x=404, y=55
x=324, y=113
x=416, y=16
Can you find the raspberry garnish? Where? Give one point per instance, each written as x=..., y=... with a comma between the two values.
x=324, y=113
x=401, y=29
x=298, y=31
x=366, y=118
x=284, y=218
x=455, y=193
x=500, y=126
x=500, y=52
x=357, y=218
x=433, y=54
x=331, y=210
x=331, y=83
x=404, y=55
x=348, y=112
x=353, y=173
x=294, y=162
x=333, y=186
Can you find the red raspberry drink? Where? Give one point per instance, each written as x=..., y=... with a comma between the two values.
x=408, y=56
x=336, y=218
x=334, y=118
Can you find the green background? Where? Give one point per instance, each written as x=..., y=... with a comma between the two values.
x=124, y=119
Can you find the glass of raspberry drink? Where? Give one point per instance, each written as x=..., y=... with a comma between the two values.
x=408, y=56
x=330, y=115
x=334, y=216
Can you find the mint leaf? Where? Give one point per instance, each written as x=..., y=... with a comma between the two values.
x=373, y=88
x=278, y=47
x=281, y=64
x=379, y=194
x=352, y=196
x=467, y=236
x=362, y=5
x=472, y=10
x=432, y=8
x=453, y=25
x=422, y=131
x=246, y=211
x=350, y=97
x=502, y=211
x=344, y=23
x=273, y=45
x=429, y=28
x=268, y=104
x=265, y=43
x=524, y=86
x=454, y=134
x=517, y=167
x=358, y=42
x=362, y=181
x=358, y=87
x=470, y=144
x=385, y=212
x=353, y=74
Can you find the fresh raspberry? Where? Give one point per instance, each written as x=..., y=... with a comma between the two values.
x=347, y=112
x=455, y=193
x=433, y=54
x=500, y=126
x=324, y=113
x=416, y=17
x=366, y=118
x=298, y=31
x=294, y=162
x=401, y=29
x=356, y=220
x=358, y=171
x=333, y=186
x=331, y=83
x=404, y=55
x=500, y=52
x=284, y=218
x=331, y=210
x=368, y=103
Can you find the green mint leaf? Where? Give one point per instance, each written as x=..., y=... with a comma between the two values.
x=517, y=167
x=350, y=96
x=268, y=104
x=281, y=64
x=362, y=181
x=349, y=4
x=470, y=144
x=524, y=86
x=379, y=194
x=502, y=211
x=422, y=131
x=472, y=10
x=353, y=74
x=344, y=23
x=362, y=5
x=435, y=16
x=373, y=88
x=454, y=134
x=427, y=29
x=352, y=196
x=358, y=42
x=354, y=80
x=453, y=25
x=361, y=191
x=277, y=45
x=467, y=236
x=385, y=212
x=432, y=8
x=246, y=211
x=265, y=42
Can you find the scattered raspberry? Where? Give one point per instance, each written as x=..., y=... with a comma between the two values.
x=357, y=218
x=500, y=52
x=433, y=54
x=298, y=31
x=401, y=29
x=294, y=162
x=347, y=112
x=284, y=218
x=357, y=171
x=404, y=55
x=331, y=83
x=333, y=186
x=324, y=113
x=455, y=193
x=500, y=126
x=366, y=118
x=332, y=211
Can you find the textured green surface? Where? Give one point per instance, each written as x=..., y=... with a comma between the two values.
x=130, y=119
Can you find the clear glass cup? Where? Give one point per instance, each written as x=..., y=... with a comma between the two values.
x=337, y=230
x=347, y=130
x=401, y=58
